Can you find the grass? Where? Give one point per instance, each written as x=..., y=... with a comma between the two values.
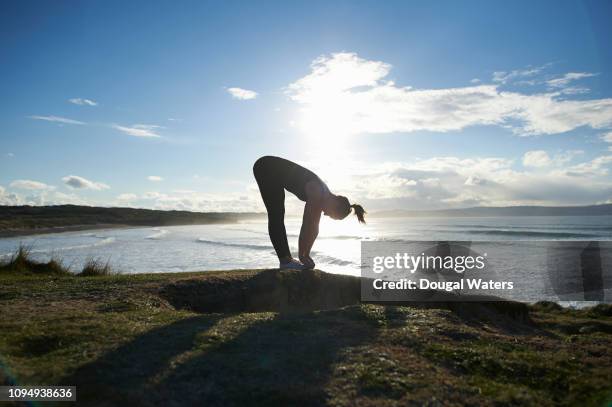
x=136, y=340
x=95, y=267
x=22, y=263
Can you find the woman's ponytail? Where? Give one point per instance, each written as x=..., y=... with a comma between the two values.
x=359, y=212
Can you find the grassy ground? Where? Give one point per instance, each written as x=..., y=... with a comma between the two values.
x=136, y=340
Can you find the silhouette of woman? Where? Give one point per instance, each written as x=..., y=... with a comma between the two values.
x=274, y=175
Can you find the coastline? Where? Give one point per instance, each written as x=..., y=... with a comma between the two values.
x=8, y=233
x=36, y=220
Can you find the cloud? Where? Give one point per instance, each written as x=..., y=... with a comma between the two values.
x=475, y=80
x=442, y=182
x=473, y=181
x=76, y=182
x=607, y=137
x=56, y=119
x=564, y=80
x=537, y=158
x=595, y=167
x=505, y=77
x=10, y=155
x=139, y=130
x=242, y=94
x=8, y=198
x=83, y=102
x=37, y=197
x=541, y=158
x=346, y=94
x=31, y=185
x=155, y=178
x=198, y=201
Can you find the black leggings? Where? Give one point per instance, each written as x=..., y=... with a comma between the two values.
x=273, y=194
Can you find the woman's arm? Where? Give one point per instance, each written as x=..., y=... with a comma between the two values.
x=310, y=222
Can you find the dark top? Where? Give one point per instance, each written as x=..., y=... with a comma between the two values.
x=289, y=175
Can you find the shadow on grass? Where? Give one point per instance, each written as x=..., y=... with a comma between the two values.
x=123, y=374
x=237, y=359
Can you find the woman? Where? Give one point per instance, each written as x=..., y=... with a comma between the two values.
x=274, y=175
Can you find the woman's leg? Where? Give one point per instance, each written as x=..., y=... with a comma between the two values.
x=274, y=198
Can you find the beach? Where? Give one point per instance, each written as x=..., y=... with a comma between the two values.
x=518, y=247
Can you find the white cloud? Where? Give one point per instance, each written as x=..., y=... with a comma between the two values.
x=29, y=184
x=505, y=77
x=37, y=197
x=56, y=119
x=607, y=137
x=197, y=201
x=10, y=198
x=475, y=80
x=76, y=182
x=536, y=158
x=10, y=155
x=442, y=182
x=139, y=130
x=346, y=94
x=575, y=90
x=155, y=178
x=242, y=94
x=473, y=181
x=562, y=81
x=595, y=167
x=83, y=102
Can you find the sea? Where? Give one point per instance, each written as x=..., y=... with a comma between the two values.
x=246, y=245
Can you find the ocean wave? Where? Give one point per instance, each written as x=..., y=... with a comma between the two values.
x=256, y=232
x=322, y=258
x=530, y=233
x=238, y=245
x=158, y=235
x=102, y=242
x=336, y=237
x=465, y=234
x=265, y=233
x=532, y=227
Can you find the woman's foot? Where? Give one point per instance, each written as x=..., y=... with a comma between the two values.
x=307, y=262
x=290, y=264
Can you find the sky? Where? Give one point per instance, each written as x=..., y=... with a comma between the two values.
x=407, y=104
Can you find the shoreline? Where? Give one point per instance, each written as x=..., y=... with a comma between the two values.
x=61, y=229
x=9, y=233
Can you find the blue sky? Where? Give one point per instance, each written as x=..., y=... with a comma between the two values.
x=395, y=104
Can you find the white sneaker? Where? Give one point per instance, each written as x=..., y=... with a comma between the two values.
x=291, y=265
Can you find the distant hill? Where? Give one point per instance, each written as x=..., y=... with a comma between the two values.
x=16, y=220
x=590, y=210
x=19, y=219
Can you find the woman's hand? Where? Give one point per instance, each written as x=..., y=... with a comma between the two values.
x=307, y=262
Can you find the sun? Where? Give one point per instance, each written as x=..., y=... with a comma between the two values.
x=325, y=125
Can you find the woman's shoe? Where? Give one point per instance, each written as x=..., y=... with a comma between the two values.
x=291, y=265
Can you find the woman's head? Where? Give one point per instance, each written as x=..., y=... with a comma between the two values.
x=339, y=207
